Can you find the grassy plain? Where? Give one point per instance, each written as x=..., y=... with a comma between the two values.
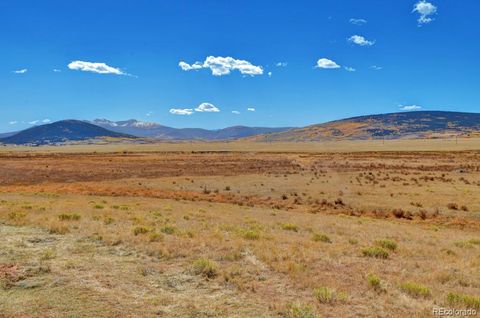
x=347, y=229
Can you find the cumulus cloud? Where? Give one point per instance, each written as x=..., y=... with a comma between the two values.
x=360, y=40
x=46, y=121
x=376, y=68
x=410, y=107
x=281, y=64
x=181, y=111
x=269, y=74
x=349, y=69
x=207, y=108
x=22, y=71
x=327, y=64
x=223, y=66
x=236, y=112
x=358, y=21
x=425, y=10
x=56, y=70
x=251, y=109
x=95, y=67
x=13, y=122
x=149, y=114
x=33, y=122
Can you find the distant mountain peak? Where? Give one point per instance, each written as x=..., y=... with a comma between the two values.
x=125, y=123
x=60, y=132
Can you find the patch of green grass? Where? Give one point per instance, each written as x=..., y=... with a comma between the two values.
x=69, y=217
x=290, y=227
x=353, y=241
x=387, y=244
x=319, y=237
x=48, y=255
x=297, y=310
x=98, y=206
x=415, y=289
x=465, y=300
x=205, y=267
x=251, y=235
x=168, y=229
x=375, y=252
x=326, y=295
x=374, y=281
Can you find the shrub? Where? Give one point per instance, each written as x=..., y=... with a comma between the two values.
x=452, y=206
x=416, y=290
x=168, y=229
x=353, y=241
x=98, y=206
x=69, y=217
x=140, y=230
x=300, y=311
x=388, y=244
x=156, y=237
x=57, y=229
x=326, y=295
x=374, y=281
x=376, y=252
x=290, y=227
x=466, y=300
x=251, y=235
x=205, y=267
x=318, y=237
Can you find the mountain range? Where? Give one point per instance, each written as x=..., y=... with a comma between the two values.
x=404, y=125
x=157, y=131
x=419, y=124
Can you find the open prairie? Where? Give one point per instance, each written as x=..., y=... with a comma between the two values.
x=240, y=229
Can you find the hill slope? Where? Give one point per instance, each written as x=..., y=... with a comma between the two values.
x=420, y=124
x=157, y=131
x=61, y=131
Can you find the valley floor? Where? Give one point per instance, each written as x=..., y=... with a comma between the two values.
x=245, y=234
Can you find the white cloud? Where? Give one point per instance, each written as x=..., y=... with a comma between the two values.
x=358, y=21
x=269, y=74
x=56, y=70
x=410, y=107
x=251, y=109
x=236, y=112
x=181, y=111
x=187, y=67
x=360, y=40
x=22, y=71
x=376, y=68
x=149, y=114
x=207, y=108
x=327, y=64
x=281, y=64
x=100, y=68
x=426, y=10
x=350, y=69
x=34, y=122
x=13, y=122
x=223, y=66
x=46, y=121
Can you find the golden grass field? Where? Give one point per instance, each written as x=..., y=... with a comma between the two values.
x=338, y=229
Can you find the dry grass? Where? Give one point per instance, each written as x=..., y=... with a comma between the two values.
x=288, y=235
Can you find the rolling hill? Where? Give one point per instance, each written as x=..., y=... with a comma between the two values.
x=157, y=131
x=61, y=131
x=419, y=124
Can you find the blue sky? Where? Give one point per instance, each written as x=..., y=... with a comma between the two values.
x=427, y=57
